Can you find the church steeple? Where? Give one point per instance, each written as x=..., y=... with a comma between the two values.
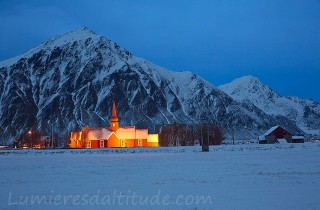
x=114, y=121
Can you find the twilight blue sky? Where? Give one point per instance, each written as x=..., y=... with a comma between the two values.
x=220, y=40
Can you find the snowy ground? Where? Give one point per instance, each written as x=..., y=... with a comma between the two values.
x=228, y=177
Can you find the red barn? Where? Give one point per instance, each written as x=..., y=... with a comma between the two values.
x=277, y=134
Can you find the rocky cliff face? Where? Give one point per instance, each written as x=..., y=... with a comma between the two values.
x=68, y=81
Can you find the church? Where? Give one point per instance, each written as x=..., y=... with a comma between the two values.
x=113, y=136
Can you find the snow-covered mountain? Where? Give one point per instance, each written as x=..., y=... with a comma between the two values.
x=305, y=112
x=68, y=81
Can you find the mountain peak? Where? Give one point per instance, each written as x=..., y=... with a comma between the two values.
x=248, y=88
x=249, y=79
x=77, y=34
x=80, y=34
x=252, y=90
x=83, y=30
x=249, y=83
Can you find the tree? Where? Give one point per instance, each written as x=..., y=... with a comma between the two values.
x=30, y=138
x=187, y=135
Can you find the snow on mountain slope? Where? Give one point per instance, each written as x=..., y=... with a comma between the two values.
x=68, y=81
x=305, y=112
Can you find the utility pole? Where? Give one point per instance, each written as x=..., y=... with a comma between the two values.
x=205, y=147
x=31, y=137
x=201, y=135
x=193, y=137
x=232, y=130
x=51, y=138
x=208, y=134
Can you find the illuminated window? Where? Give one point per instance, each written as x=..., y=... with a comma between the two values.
x=113, y=124
x=123, y=143
x=101, y=144
x=88, y=144
x=140, y=142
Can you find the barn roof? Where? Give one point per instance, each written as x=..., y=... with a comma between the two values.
x=271, y=130
x=297, y=137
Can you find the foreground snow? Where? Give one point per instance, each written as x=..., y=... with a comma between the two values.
x=228, y=177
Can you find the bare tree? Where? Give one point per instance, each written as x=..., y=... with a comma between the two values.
x=187, y=135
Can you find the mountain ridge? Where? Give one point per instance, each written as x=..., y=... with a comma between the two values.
x=305, y=112
x=68, y=82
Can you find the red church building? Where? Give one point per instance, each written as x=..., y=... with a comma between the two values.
x=113, y=136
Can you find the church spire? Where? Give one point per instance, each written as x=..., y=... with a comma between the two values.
x=114, y=121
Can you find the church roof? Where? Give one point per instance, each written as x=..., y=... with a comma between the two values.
x=114, y=117
x=98, y=133
x=127, y=127
x=126, y=132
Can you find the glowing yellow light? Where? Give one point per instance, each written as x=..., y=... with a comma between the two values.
x=153, y=138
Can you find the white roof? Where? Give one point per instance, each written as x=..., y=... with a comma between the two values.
x=98, y=133
x=271, y=130
x=122, y=128
x=126, y=132
x=262, y=138
x=297, y=137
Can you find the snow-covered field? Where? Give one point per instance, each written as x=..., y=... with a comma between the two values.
x=228, y=177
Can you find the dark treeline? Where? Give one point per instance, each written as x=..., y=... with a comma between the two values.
x=189, y=135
